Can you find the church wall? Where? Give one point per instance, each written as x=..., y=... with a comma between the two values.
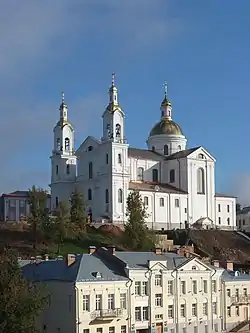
x=175, y=143
x=200, y=205
x=62, y=134
x=225, y=212
x=147, y=165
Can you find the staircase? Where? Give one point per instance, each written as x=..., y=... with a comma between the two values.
x=241, y=325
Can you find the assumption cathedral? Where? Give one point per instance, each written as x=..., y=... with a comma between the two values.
x=176, y=183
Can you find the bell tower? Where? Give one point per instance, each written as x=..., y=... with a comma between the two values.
x=63, y=158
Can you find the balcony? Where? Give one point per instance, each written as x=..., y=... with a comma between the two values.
x=241, y=299
x=107, y=314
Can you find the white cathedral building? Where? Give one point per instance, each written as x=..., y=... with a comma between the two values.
x=176, y=183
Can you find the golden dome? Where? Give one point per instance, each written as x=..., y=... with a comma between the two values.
x=166, y=126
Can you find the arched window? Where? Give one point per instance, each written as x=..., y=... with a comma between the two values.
x=172, y=176
x=58, y=144
x=117, y=130
x=166, y=150
x=120, y=195
x=179, y=147
x=67, y=144
x=200, y=181
x=90, y=148
x=119, y=158
x=107, y=196
x=57, y=169
x=89, y=194
x=90, y=170
x=57, y=202
x=202, y=156
x=145, y=201
x=161, y=202
x=140, y=174
x=67, y=169
x=155, y=175
x=153, y=148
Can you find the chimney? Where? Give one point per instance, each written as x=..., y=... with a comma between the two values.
x=46, y=257
x=91, y=249
x=230, y=266
x=111, y=249
x=71, y=258
x=158, y=250
x=216, y=263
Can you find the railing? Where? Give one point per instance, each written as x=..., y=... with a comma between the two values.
x=241, y=299
x=107, y=314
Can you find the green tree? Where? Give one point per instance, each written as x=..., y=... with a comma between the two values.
x=20, y=301
x=137, y=236
x=78, y=216
x=61, y=224
x=39, y=213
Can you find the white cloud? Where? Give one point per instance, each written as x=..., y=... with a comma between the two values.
x=38, y=38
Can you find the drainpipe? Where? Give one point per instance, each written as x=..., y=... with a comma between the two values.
x=148, y=275
x=211, y=299
x=206, y=189
x=176, y=308
x=77, y=312
x=129, y=285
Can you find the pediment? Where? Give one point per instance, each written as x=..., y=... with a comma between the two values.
x=90, y=141
x=194, y=265
x=201, y=153
x=157, y=265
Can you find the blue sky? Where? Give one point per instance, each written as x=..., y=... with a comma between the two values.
x=201, y=48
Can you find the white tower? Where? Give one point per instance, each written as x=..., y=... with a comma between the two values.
x=63, y=159
x=166, y=137
x=114, y=137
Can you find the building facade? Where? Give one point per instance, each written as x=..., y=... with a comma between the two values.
x=243, y=219
x=177, y=183
x=107, y=291
x=14, y=206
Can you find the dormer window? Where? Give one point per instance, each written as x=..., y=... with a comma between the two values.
x=90, y=148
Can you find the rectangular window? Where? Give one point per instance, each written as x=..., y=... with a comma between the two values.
x=194, y=287
x=214, y=289
x=183, y=287
x=194, y=310
x=158, y=280
x=137, y=287
x=228, y=221
x=205, y=286
x=161, y=202
x=183, y=310
x=170, y=288
x=137, y=313
x=85, y=330
x=145, y=201
x=219, y=208
x=98, y=302
x=185, y=210
x=219, y=220
x=107, y=158
x=158, y=300
x=177, y=203
x=68, y=169
x=119, y=158
x=57, y=169
x=111, y=301
x=245, y=291
x=170, y=311
x=229, y=311
x=85, y=301
x=237, y=311
x=90, y=170
x=228, y=208
x=123, y=301
x=145, y=313
x=214, y=308
x=123, y=329
x=99, y=330
x=228, y=293
x=111, y=329
x=144, y=288
x=205, y=309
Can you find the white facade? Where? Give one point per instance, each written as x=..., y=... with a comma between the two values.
x=126, y=292
x=243, y=219
x=177, y=183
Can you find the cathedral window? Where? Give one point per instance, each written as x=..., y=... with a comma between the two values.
x=107, y=158
x=119, y=158
x=90, y=148
x=166, y=150
x=200, y=181
x=57, y=169
x=58, y=144
x=67, y=169
x=179, y=147
x=90, y=170
x=57, y=202
x=107, y=196
x=118, y=131
x=153, y=148
x=161, y=202
x=89, y=194
x=145, y=201
x=120, y=195
x=67, y=144
x=140, y=174
x=172, y=176
x=155, y=175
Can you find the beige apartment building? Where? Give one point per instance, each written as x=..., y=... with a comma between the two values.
x=106, y=291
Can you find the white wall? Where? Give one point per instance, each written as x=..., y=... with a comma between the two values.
x=225, y=212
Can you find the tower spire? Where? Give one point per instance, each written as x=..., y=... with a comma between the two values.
x=62, y=97
x=63, y=108
x=113, y=92
x=165, y=85
x=166, y=108
x=113, y=79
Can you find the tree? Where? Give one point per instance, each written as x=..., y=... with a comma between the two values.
x=20, y=301
x=78, y=216
x=137, y=235
x=61, y=224
x=39, y=213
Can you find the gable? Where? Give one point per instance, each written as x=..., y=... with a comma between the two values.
x=194, y=265
x=157, y=265
x=201, y=154
x=90, y=141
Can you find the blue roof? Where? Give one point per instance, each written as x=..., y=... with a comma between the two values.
x=235, y=276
